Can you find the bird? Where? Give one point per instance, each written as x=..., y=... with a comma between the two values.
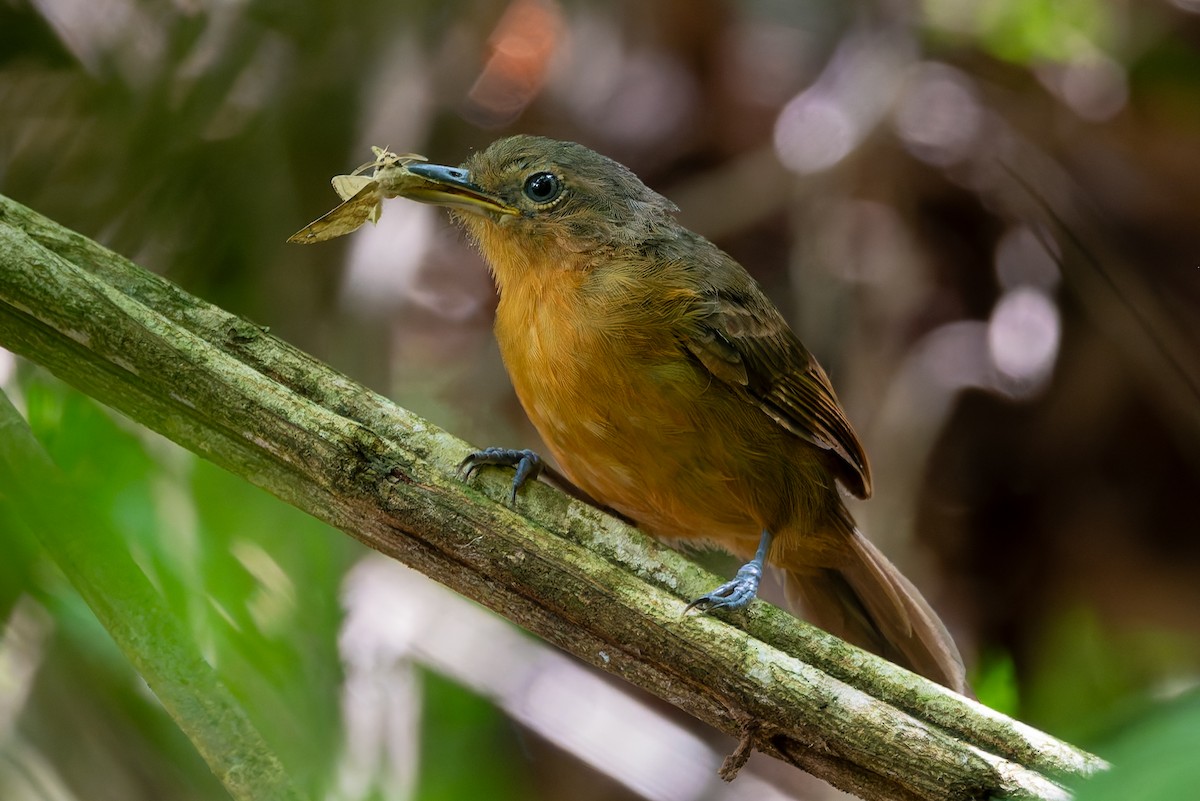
x=668, y=387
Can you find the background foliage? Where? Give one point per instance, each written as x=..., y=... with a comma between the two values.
x=1038, y=466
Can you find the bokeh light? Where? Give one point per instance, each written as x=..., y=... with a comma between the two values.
x=1023, y=337
x=939, y=114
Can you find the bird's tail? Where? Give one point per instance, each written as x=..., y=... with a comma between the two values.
x=866, y=601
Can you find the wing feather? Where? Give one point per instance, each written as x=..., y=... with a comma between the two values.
x=743, y=340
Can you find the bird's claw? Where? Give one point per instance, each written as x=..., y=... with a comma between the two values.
x=527, y=463
x=735, y=594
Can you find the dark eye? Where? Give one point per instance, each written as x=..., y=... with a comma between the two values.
x=542, y=187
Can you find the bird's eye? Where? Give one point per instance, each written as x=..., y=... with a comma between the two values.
x=542, y=187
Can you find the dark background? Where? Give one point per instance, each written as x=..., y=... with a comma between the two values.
x=982, y=217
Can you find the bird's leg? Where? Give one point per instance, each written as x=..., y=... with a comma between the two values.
x=739, y=592
x=527, y=463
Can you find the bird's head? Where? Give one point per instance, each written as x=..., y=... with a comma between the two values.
x=537, y=201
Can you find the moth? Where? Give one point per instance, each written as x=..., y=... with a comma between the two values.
x=362, y=195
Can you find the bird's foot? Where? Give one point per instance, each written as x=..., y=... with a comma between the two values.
x=735, y=594
x=738, y=593
x=527, y=463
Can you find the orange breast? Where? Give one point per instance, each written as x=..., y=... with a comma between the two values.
x=643, y=428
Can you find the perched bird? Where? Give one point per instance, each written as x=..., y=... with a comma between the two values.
x=668, y=387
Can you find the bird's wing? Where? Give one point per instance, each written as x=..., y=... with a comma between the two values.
x=743, y=340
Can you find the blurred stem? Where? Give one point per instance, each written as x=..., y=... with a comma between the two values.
x=220, y=386
x=97, y=563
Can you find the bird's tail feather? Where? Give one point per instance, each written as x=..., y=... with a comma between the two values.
x=866, y=601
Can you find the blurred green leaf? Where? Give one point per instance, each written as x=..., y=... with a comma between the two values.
x=458, y=727
x=270, y=577
x=1154, y=759
x=254, y=579
x=995, y=682
x=1031, y=32
x=1090, y=680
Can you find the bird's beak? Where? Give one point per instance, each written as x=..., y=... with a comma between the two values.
x=452, y=186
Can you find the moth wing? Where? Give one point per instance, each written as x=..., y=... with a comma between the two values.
x=347, y=186
x=344, y=219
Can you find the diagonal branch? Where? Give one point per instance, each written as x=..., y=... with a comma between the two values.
x=222, y=387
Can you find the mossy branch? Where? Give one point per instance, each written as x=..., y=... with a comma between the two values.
x=222, y=387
